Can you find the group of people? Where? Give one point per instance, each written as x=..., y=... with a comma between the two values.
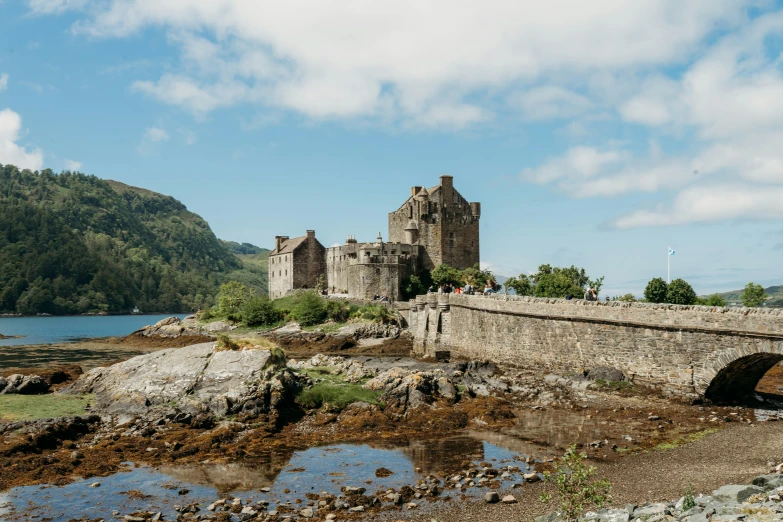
x=382, y=298
x=468, y=289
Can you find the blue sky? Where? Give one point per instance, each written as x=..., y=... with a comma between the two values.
x=594, y=134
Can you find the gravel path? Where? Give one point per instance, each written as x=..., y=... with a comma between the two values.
x=733, y=455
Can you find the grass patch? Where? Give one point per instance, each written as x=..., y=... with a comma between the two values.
x=226, y=342
x=30, y=407
x=682, y=441
x=333, y=392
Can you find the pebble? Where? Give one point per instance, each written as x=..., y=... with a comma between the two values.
x=491, y=497
x=95, y=485
x=509, y=499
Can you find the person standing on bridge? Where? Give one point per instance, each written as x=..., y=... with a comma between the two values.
x=591, y=295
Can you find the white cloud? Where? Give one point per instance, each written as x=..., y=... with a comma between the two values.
x=401, y=60
x=10, y=151
x=44, y=7
x=577, y=165
x=551, y=101
x=188, y=136
x=3, y=82
x=72, y=165
x=709, y=204
x=156, y=134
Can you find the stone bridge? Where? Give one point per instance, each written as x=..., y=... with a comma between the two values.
x=693, y=352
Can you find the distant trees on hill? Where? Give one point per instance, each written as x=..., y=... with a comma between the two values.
x=72, y=243
x=551, y=281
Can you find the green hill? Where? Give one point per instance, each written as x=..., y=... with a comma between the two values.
x=72, y=243
x=775, y=294
x=255, y=261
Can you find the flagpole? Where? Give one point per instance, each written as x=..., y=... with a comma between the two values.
x=669, y=265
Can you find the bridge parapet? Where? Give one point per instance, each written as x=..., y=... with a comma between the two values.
x=678, y=348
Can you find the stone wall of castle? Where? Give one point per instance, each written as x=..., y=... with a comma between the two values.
x=309, y=263
x=364, y=270
x=678, y=348
x=281, y=275
x=443, y=222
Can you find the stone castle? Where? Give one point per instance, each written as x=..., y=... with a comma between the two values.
x=434, y=226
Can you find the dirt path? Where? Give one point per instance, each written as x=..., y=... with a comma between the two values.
x=733, y=455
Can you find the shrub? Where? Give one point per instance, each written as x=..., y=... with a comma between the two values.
x=231, y=297
x=376, y=313
x=310, y=309
x=335, y=396
x=627, y=298
x=680, y=292
x=576, y=489
x=204, y=315
x=225, y=343
x=655, y=292
x=713, y=300
x=259, y=310
x=688, y=502
x=338, y=311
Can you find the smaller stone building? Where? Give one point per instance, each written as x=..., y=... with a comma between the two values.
x=366, y=270
x=295, y=263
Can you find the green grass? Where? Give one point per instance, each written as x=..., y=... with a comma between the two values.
x=691, y=437
x=333, y=392
x=29, y=407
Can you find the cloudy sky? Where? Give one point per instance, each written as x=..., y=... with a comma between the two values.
x=594, y=133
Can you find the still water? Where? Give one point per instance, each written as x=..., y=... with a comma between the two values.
x=288, y=475
x=49, y=330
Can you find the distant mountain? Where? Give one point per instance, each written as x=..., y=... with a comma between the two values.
x=72, y=243
x=255, y=261
x=775, y=294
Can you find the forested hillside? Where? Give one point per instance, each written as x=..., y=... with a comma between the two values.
x=72, y=243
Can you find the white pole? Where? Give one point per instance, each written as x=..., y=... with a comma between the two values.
x=668, y=266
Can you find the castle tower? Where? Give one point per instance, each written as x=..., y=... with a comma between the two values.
x=441, y=221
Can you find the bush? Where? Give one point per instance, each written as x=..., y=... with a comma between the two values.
x=680, y=292
x=335, y=396
x=310, y=309
x=259, y=310
x=576, y=489
x=713, y=300
x=204, y=315
x=376, y=313
x=627, y=298
x=338, y=311
x=656, y=289
x=231, y=297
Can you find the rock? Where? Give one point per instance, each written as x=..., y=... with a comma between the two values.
x=306, y=513
x=606, y=515
x=605, y=373
x=531, y=477
x=550, y=517
x=197, y=378
x=23, y=385
x=219, y=327
x=383, y=472
x=491, y=497
x=331, y=516
x=509, y=499
x=169, y=328
x=650, y=510
x=95, y=485
x=768, y=482
x=736, y=493
x=411, y=505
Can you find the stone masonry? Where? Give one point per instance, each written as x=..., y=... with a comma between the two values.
x=688, y=351
x=434, y=226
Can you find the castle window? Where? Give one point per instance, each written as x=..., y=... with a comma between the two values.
x=286, y=272
x=410, y=211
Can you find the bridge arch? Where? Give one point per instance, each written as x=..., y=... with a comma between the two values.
x=734, y=374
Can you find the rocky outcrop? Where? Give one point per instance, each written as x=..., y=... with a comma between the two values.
x=196, y=379
x=171, y=327
x=352, y=370
x=23, y=385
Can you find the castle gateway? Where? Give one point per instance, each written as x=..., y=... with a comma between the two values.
x=434, y=226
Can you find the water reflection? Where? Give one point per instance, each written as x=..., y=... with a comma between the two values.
x=557, y=428
x=288, y=475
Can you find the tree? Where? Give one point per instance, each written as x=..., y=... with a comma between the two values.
x=680, y=292
x=627, y=298
x=445, y=274
x=231, y=297
x=522, y=285
x=414, y=285
x=479, y=279
x=310, y=309
x=753, y=295
x=656, y=289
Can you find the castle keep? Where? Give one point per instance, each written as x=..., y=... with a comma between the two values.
x=434, y=226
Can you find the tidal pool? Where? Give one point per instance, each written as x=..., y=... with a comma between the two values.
x=289, y=478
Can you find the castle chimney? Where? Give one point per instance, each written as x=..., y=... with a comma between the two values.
x=415, y=190
x=311, y=233
x=475, y=209
x=279, y=242
x=447, y=181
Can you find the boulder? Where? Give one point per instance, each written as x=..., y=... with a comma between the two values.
x=219, y=327
x=768, y=482
x=605, y=373
x=736, y=493
x=606, y=515
x=491, y=497
x=650, y=511
x=196, y=379
x=23, y=385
